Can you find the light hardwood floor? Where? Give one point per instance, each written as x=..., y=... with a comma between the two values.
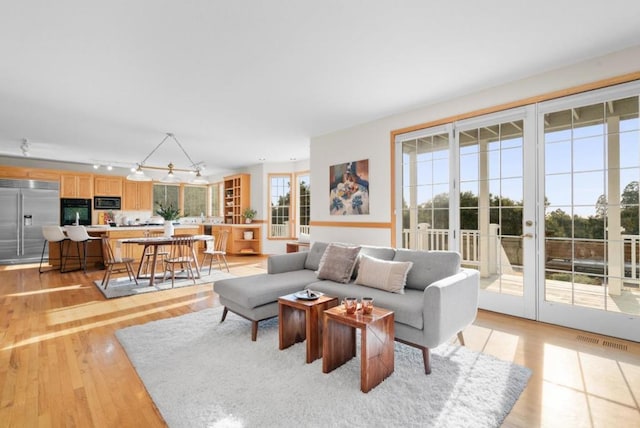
x=61, y=364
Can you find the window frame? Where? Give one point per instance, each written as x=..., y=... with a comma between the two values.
x=290, y=177
x=298, y=218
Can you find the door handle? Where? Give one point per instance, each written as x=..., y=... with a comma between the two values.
x=527, y=235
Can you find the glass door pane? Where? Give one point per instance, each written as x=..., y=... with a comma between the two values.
x=592, y=169
x=492, y=204
x=425, y=192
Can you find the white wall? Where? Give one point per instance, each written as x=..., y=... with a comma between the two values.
x=372, y=141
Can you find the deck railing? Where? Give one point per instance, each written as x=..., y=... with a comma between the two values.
x=282, y=230
x=438, y=239
x=631, y=267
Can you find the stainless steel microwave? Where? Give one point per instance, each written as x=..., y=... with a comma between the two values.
x=106, y=202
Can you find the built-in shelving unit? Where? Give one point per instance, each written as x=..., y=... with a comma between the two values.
x=237, y=243
x=236, y=197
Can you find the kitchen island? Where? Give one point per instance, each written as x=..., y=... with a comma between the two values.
x=95, y=257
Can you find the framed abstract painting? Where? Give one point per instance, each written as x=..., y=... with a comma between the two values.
x=349, y=188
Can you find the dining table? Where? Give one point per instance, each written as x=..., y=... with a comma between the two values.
x=156, y=242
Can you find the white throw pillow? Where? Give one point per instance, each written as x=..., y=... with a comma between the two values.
x=384, y=274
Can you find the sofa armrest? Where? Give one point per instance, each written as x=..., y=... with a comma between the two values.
x=286, y=262
x=450, y=305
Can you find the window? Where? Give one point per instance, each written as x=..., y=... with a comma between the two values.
x=290, y=207
x=279, y=206
x=216, y=202
x=303, y=203
x=165, y=195
x=195, y=201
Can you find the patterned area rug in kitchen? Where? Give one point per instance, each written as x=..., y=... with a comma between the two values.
x=123, y=286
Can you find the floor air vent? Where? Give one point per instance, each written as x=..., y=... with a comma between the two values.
x=614, y=345
x=606, y=343
x=588, y=339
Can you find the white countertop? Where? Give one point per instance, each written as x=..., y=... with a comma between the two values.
x=102, y=227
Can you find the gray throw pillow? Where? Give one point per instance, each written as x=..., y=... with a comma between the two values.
x=337, y=263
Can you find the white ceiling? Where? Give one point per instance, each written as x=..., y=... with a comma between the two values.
x=236, y=81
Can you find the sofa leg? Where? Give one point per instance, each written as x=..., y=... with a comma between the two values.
x=426, y=357
x=224, y=314
x=461, y=338
x=254, y=330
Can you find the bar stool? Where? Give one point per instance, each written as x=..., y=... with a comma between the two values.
x=78, y=234
x=53, y=234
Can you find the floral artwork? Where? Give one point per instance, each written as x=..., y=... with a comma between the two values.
x=349, y=188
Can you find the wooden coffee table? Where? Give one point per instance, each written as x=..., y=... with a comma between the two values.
x=301, y=319
x=377, y=336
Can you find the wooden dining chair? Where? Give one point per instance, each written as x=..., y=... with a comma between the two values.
x=147, y=257
x=115, y=264
x=219, y=251
x=181, y=258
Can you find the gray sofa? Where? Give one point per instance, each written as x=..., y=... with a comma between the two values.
x=440, y=298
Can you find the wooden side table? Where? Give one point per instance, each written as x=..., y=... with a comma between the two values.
x=377, y=336
x=301, y=319
x=294, y=247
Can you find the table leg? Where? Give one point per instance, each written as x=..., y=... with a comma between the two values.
x=315, y=327
x=377, y=358
x=291, y=325
x=153, y=265
x=339, y=344
x=144, y=251
x=195, y=258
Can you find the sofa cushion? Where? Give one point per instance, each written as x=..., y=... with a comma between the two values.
x=256, y=290
x=408, y=308
x=384, y=274
x=428, y=266
x=382, y=253
x=314, y=255
x=337, y=262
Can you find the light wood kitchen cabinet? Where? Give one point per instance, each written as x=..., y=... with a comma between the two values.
x=137, y=195
x=106, y=185
x=29, y=173
x=76, y=186
x=237, y=197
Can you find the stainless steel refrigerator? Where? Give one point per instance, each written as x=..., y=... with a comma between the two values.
x=26, y=206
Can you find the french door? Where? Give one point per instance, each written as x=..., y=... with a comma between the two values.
x=589, y=268
x=496, y=160
x=467, y=187
x=543, y=200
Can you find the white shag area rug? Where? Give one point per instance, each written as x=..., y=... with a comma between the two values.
x=203, y=373
x=123, y=286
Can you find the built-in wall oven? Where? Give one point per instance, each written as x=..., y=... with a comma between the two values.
x=75, y=211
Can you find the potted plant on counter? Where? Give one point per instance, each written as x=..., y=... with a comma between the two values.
x=169, y=214
x=249, y=214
